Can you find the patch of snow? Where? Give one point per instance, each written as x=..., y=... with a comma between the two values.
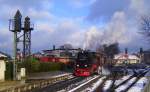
x=107, y=85
x=147, y=74
x=72, y=90
x=123, y=87
x=130, y=72
x=95, y=85
x=117, y=82
x=140, y=70
x=105, y=71
x=61, y=75
x=139, y=86
x=148, y=67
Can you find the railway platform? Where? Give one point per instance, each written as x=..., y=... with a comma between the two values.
x=10, y=84
x=35, y=80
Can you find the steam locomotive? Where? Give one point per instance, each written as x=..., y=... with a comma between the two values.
x=88, y=63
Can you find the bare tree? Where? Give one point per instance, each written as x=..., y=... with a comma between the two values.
x=145, y=27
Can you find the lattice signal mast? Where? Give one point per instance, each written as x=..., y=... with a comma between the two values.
x=15, y=26
x=27, y=38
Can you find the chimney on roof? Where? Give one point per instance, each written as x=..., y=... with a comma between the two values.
x=126, y=50
x=53, y=47
x=141, y=50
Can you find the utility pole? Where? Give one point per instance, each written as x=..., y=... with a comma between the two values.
x=15, y=56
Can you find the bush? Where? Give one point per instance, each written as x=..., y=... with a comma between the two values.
x=9, y=71
x=33, y=65
x=50, y=66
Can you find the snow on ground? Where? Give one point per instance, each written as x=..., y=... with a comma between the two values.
x=117, y=82
x=72, y=90
x=60, y=75
x=95, y=85
x=123, y=87
x=148, y=67
x=130, y=72
x=139, y=86
x=147, y=74
x=140, y=70
x=47, y=75
x=107, y=85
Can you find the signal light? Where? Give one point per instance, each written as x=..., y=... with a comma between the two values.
x=17, y=21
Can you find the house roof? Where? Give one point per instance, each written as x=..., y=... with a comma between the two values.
x=126, y=56
x=60, y=49
x=3, y=54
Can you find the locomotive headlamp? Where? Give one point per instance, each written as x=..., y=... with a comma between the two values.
x=77, y=65
x=85, y=65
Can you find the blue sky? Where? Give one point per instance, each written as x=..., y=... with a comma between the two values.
x=82, y=23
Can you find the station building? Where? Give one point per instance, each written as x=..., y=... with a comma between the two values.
x=61, y=54
x=126, y=59
x=3, y=58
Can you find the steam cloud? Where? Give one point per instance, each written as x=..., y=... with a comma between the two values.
x=122, y=28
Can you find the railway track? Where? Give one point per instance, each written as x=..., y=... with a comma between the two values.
x=85, y=84
x=125, y=81
x=138, y=77
x=83, y=87
x=100, y=87
x=112, y=87
x=111, y=79
x=123, y=87
x=59, y=85
x=76, y=84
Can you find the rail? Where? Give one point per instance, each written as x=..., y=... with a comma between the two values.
x=37, y=84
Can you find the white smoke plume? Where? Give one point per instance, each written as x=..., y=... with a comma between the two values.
x=115, y=31
x=122, y=28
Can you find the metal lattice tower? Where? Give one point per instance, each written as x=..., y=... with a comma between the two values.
x=27, y=38
x=15, y=26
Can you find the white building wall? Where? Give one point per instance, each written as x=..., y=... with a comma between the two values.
x=23, y=72
x=2, y=70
